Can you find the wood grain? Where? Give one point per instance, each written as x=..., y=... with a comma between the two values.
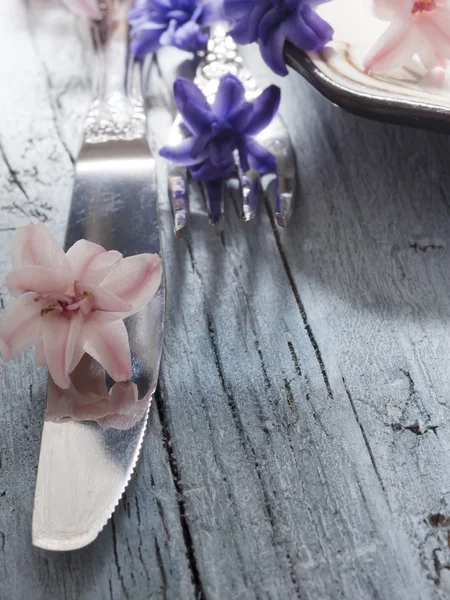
x=299, y=445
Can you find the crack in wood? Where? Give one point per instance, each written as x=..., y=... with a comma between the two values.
x=412, y=387
x=162, y=571
x=126, y=504
x=13, y=175
x=424, y=243
x=116, y=558
x=299, y=301
x=138, y=512
x=262, y=364
x=365, y=438
x=415, y=428
x=110, y=589
x=50, y=97
x=161, y=516
x=291, y=401
x=176, y=477
x=295, y=360
x=267, y=501
x=438, y=520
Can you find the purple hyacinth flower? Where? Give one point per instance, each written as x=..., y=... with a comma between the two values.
x=216, y=131
x=272, y=22
x=179, y=23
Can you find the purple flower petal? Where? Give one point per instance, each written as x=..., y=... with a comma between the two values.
x=221, y=154
x=189, y=37
x=273, y=52
x=259, y=158
x=221, y=131
x=240, y=119
x=208, y=172
x=246, y=30
x=212, y=12
x=229, y=97
x=181, y=23
x=192, y=104
x=146, y=42
x=308, y=31
x=183, y=154
x=214, y=195
x=271, y=22
x=265, y=107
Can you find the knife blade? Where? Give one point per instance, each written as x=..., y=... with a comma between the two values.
x=93, y=431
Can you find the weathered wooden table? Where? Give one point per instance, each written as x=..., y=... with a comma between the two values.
x=299, y=444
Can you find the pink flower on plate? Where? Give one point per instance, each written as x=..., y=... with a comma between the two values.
x=417, y=27
x=69, y=304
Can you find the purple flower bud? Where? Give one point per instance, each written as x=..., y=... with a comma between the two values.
x=218, y=130
x=272, y=22
x=179, y=23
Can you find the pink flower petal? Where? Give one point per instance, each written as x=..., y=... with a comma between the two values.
x=106, y=300
x=386, y=9
x=81, y=255
x=91, y=262
x=394, y=48
x=125, y=409
x=37, y=279
x=436, y=29
x=108, y=344
x=89, y=377
x=20, y=325
x=78, y=353
x=35, y=245
x=84, y=8
x=100, y=267
x=61, y=334
x=430, y=58
x=135, y=279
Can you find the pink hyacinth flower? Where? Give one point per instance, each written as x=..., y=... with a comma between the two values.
x=69, y=304
x=417, y=28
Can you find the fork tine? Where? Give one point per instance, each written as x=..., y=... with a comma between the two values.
x=214, y=192
x=280, y=187
x=279, y=190
x=179, y=197
x=284, y=200
x=245, y=189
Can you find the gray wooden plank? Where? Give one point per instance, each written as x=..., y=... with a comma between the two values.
x=298, y=445
x=44, y=104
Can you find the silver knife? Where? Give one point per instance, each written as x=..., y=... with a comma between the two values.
x=93, y=431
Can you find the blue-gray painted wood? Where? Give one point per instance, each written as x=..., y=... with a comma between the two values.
x=299, y=445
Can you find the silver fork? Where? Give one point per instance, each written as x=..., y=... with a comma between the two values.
x=279, y=188
x=84, y=467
